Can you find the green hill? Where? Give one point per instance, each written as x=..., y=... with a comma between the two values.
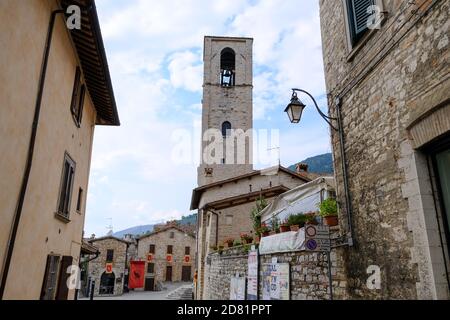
x=319, y=164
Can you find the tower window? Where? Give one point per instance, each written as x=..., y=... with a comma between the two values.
x=227, y=67
x=226, y=129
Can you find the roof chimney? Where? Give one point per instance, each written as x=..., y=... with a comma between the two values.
x=301, y=168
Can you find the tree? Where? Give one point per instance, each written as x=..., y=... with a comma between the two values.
x=255, y=214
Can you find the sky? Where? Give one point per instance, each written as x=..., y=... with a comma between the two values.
x=154, y=49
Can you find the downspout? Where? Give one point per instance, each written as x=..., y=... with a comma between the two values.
x=29, y=161
x=345, y=174
x=217, y=226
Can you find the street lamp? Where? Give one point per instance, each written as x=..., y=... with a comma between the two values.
x=295, y=109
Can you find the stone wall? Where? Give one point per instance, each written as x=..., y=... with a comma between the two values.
x=393, y=77
x=308, y=278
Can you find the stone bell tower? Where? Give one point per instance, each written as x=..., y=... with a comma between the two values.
x=227, y=117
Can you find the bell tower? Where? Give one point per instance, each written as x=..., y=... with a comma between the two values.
x=227, y=117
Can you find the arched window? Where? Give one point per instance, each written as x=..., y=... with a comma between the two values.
x=226, y=129
x=227, y=67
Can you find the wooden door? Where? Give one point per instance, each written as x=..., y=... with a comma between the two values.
x=186, y=274
x=169, y=273
x=149, y=284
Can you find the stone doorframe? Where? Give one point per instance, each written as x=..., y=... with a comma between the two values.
x=424, y=217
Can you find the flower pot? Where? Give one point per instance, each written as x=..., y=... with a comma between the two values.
x=230, y=244
x=295, y=228
x=266, y=234
x=331, y=221
x=272, y=233
x=284, y=229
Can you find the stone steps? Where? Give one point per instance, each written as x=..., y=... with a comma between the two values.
x=182, y=293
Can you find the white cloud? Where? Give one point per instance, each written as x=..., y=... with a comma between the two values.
x=186, y=71
x=154, y=51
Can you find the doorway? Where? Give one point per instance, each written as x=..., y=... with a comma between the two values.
x=149, y=284
x=107, y=282
x=186, y=272
x=169, y=273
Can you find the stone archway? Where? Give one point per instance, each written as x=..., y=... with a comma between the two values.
x=107, y=282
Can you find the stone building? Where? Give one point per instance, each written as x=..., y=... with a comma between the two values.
x=390, y=86
x=55, y=88
x=228, y=188
x=109, y=269
x=169, y=254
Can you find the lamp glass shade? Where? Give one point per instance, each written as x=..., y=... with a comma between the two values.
x=295, y=110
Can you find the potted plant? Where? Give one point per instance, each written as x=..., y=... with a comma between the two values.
x=310, y=218
x=284, y=226
x=275, y=226
x=264, y=230
x=229, y=242
x=246, y=238
x=296, y=221
x=328, y=211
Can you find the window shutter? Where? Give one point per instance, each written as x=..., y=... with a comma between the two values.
x=63, y=290
x=358, y=17
x=50, y=278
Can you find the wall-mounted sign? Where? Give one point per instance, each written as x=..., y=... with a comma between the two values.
x=109, y=268
x=169, y=258
x=187, y=259
x=252, y=278
x=266, y=280
x=275, y=281
x=317, y=238
x=237, y=288
x=149, y=257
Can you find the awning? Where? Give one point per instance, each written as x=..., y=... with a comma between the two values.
x=303, y=199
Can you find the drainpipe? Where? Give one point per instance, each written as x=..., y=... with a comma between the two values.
x=345, y=173
x=29, y=162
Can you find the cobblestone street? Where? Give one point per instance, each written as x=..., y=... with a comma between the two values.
x=147, y=295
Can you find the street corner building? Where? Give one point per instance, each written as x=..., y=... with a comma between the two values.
x=109, y=270
x=169, y=256
x=388, y=83
x=55, y=88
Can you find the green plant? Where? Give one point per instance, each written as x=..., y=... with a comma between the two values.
x=275, y=223
x=237, y=243
x=255, y=215
x=328, y=208
x=213, y=248
x=297, y=220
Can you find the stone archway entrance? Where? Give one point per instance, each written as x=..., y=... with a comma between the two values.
x=107, y=282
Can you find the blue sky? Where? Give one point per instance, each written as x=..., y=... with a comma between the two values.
x=154, y=51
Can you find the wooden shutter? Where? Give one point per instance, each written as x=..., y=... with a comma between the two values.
x=80, y=104
x=358, y=17
x=50, y=278
x=63, y=290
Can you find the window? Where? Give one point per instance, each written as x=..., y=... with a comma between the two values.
x=65, y=192
x=226, y=129
x=109, y=255
x=152, y=249
x=187, y=251
x=358, y=16
x=79, y=200
x=172, y=235
x=151, y=268
x=50, y=279
x=78, y=93
x=227, y=67
x=169, y=249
